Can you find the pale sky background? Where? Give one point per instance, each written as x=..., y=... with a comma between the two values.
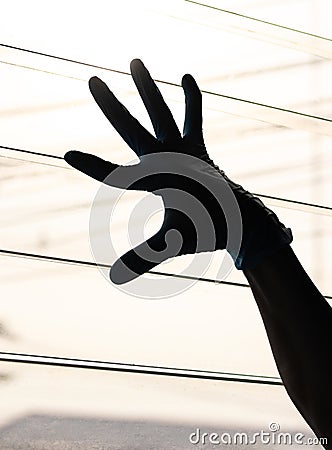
x=46, y=106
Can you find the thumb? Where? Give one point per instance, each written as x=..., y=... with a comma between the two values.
x=163, y=245
x=124, y=177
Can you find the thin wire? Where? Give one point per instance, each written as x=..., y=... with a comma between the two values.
x=222, y=77
x=137, y=368
x=46, y=155
x=42, y=70
x=61, y=58
x=57, y=259
x=259, y=20
x=78, y=262
x=34, y=162
x=243, y=74
x=294, y=201
x=121, y=72
x=297, y=202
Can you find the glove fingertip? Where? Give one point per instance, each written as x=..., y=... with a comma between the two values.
x=188, y=80
x=97, y=86
x=186, y=77
x=120, y=273
x=72, y=156
x=94, y=81
x=136, y=64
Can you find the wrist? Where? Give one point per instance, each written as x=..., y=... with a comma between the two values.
x=263, y=234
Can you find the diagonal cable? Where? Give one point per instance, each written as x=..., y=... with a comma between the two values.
x=137, y=368
x=169, y=83
x=266, y=22
x=287, y=200
x=57, y=259
x=83, y=263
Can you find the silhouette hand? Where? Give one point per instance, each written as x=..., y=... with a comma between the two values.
x=204, y=210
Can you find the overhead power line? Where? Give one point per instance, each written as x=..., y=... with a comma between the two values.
x=272, y=24
x=78, y=262
x=271, y=197
x=169, y=83
x=137, y=368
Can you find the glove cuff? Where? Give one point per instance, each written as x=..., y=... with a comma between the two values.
x=264, y=239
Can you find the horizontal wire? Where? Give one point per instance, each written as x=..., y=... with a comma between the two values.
x=172, y=84
x=61, y=58
x=21, y=66
x=259, y=20
x=226, y=76
x=85, y=80
x=214, y=109
x=34, y=162
x=169, y=83
x=78, y=262
x=137, y=368
x=57, y=259
x=31, y=152
x=296, y=202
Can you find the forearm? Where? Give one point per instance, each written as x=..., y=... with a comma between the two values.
x=280, y=275
x=298, y=321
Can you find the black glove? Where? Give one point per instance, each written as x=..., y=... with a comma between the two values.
x=204, y=210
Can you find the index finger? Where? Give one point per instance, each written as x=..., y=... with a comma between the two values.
x=129, y=128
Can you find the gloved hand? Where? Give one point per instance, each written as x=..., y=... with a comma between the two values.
x=204, y=210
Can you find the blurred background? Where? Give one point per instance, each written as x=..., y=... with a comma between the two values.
x=267, y=123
